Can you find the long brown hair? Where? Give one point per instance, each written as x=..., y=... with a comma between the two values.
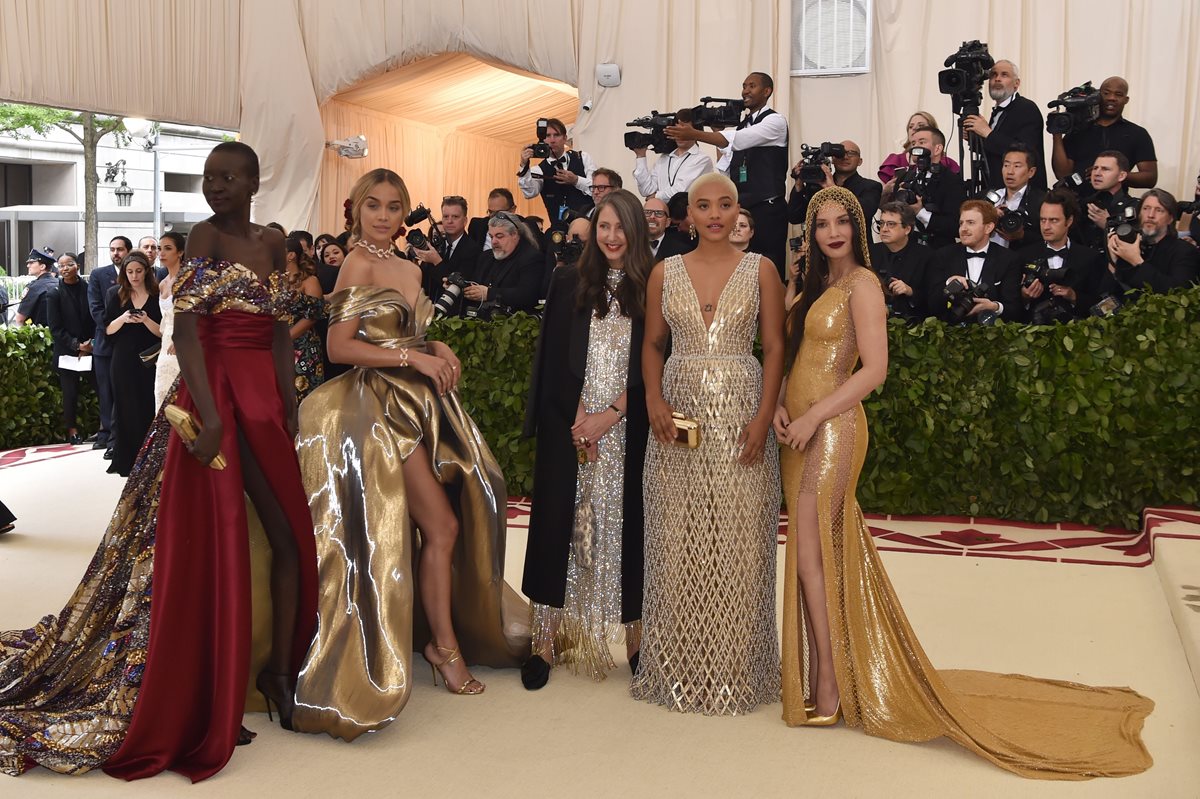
x=817, y=275
x=149, y=282
x=593, y=265
x=362, y=187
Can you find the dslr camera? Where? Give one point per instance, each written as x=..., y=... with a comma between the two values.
x=564, y=250
x=452, y=289
x=917, y=179
x=1011, y=222
x=418, y=240
x=1080, y=108
x=539, y=147
x=960, y=301
x=812, y=158
x=656, y=139
x=1046, y=309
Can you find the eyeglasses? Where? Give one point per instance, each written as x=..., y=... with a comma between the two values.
x=597, y=188
x=886, y=224
x=852, y=154
x=655, y=214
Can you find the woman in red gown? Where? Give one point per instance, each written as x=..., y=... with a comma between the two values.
x=148, y=664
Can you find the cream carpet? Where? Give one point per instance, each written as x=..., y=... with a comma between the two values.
x=1105, y=625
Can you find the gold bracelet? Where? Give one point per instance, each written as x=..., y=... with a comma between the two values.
x=404, y=356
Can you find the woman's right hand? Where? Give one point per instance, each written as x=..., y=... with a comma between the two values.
x=207, y=444
x=782, y=420
x=660, y=420
x=436, y=368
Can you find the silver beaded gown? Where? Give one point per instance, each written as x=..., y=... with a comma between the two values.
x=709, y=642
x=590, y=619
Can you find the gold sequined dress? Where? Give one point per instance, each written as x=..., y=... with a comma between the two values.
x=1036, y=728
x=356, y=432
x=708, y=623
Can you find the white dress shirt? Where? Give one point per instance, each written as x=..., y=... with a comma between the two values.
x=672, y=172
x=1011, y=204
x=998, y=111
x=975, y=270
x=531, y=186
x=763, y=131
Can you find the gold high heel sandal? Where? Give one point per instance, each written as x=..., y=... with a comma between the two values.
x=823, y=721
x=471, y=687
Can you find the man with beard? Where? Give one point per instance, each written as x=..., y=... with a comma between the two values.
x=1015, y=119
x=1157, y=260
x=509, y=276
x=1075, y=152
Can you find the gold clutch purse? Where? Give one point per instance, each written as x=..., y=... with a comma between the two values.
x=188, y=429
x=687, y=431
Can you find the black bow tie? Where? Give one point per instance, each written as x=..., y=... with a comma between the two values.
x=995, y=113
x=971, y=255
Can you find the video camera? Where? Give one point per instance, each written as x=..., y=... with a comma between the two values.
x=915, y=181
x=726, y=115
x=812, y=158
x=1048, y=308
x=656, y=139
x=960, y=301
x=418, y=240
x=540, y=148
x=566, y=251
x=1080, y=108
x=968, y=69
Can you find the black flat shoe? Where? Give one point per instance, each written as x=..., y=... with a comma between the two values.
x=246, y=736
x=100, y=443
x=634, y=659
x=108, y=454
x=535, y=673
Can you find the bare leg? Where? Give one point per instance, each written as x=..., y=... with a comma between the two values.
x=812, y=582
x=433, y=516
x=285, y=562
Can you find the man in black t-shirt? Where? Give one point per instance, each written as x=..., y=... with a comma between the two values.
x=1076, y=152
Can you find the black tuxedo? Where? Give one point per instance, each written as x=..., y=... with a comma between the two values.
x=673, y=243
x=1031, y=204
x=477, y=229
x=1021, y=121
x=516, y=281
x=1086, y=271
x=1086, y=233
x=1170, y=264
x=463, y=260
x=1000, y=274
x=947, y=192
x=911, y=266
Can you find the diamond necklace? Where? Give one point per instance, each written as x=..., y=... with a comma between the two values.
x=378, y=252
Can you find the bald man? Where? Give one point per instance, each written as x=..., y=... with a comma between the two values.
x=1015, y=119
x=845, y=174
x=1076, y=151
x=665, y=240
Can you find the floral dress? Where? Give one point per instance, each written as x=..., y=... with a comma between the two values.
x=294, y=306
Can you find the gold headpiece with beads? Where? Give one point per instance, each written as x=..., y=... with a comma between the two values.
x=837, y=195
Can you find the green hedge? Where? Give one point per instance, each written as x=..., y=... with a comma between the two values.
x=30, y=395
x=1088, y=422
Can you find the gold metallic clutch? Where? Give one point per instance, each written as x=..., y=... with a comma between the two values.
x=188, y=429
x=687, y=431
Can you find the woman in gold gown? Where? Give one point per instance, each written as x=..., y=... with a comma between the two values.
x=841, y=616
x=709, y=642
x=384, y=448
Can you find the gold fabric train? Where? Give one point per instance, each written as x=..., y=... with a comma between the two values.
x=1036, y=728
x=356, y=431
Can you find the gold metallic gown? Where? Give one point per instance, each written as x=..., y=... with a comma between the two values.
x=356, y=432
x=1036, y=728
x=709, y=643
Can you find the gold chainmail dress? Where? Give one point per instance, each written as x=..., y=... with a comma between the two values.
x=709, y=640
x=1036, y=728
x=356, y=432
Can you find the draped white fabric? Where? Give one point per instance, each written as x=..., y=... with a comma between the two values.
x=266, y=67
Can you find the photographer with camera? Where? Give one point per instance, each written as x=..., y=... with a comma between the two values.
x=812, y=173
x=499, y=199
x=975, y=281
x=563, y=178
x=458, y=253
x=673, y=172
x=759, y=165
x=1150, y=255
x=1018, y=201
x=1013, y=119
x=1075, y=152
x=901, y=262
x=1109, y=204
x=563, y=248
x=934, y=192
x=1060, y=281
x=508, y=278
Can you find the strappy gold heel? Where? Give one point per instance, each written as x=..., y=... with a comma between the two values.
x=471, y=687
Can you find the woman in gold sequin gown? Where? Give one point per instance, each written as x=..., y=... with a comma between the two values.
x=386, y=448
x=841, y=616
x=712, y=513
x=587, y=397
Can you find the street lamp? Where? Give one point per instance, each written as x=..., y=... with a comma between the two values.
x=145, y=129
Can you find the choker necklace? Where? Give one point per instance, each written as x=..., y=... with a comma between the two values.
x=378, y=252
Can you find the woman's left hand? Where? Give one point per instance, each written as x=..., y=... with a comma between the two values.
x=587, y=431
x=752, y=440
x=800, y=432
x=442, y=350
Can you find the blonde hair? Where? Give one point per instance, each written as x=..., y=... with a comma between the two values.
x=362, y=187
x=930, y=122
x=706, y=179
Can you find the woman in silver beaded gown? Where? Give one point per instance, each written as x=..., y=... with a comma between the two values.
x=709, y=643
x=583, y=562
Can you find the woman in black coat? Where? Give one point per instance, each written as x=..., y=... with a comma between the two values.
x=583, y=562
x=72, y=327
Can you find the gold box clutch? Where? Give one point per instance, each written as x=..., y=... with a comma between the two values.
x=188, y=429
x=687, y=431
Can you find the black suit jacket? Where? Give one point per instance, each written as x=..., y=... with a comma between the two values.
x=1021, y=122
x=1170, y=264
x=910, y=265
x=463, y=260
x=70, y=318
x=947, y=192
x=1086, y=273
x=477, y=229
x=1001, y=274
x=1031, y=204
x=99, y=282
x=673, y=243
x=516, y=281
